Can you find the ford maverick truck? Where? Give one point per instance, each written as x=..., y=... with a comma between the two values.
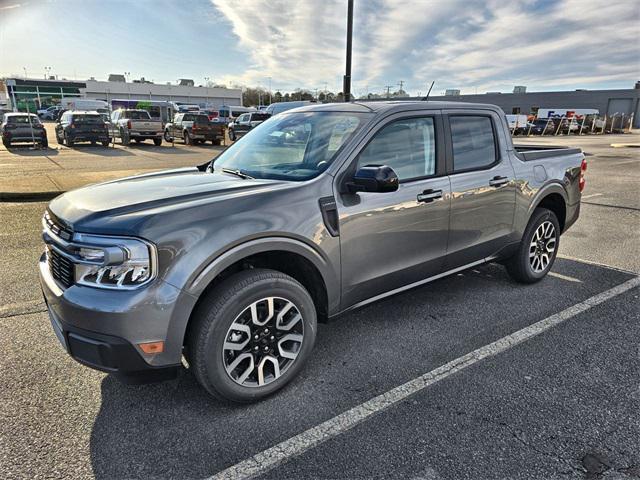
x=227, y=268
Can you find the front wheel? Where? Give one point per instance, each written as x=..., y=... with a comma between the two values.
x=157, y=142
x=251, y=335
x=538, y=248
x=187, y=138
x=232, y=135
x=167, y=137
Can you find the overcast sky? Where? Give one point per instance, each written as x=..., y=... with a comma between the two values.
x=466, y=44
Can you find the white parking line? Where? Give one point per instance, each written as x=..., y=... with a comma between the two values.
x=564, y=277
x=584, y=197
x=270, y=458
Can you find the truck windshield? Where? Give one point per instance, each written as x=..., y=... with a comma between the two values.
x=294, y=146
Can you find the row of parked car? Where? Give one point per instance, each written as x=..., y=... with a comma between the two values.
x=125, y=125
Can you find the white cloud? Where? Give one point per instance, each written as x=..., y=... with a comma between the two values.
x=459, y=43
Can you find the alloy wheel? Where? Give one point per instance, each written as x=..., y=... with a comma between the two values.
x=263, y=342
x=542, y=246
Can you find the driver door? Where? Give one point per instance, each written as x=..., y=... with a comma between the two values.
x=392, y=240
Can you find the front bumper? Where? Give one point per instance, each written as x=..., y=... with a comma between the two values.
x=102, y=328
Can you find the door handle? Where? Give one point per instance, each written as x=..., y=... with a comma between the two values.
x=498, y=181
x=429, y=196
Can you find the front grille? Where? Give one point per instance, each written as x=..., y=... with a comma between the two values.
x=62, y=268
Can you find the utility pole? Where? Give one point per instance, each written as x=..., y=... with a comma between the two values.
x=401, y=83
x=346, y=86
x=388, y=87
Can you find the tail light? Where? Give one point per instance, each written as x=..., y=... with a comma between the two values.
x=583, y=169
x=129, y=124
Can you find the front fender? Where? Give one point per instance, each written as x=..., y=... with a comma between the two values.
x=206, y=275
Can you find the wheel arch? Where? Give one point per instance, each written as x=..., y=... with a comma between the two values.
x=286, y=255
x=552, y=197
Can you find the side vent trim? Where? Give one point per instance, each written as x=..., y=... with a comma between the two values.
x=329, y=210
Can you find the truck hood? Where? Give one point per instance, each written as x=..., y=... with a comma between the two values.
x=104, y=203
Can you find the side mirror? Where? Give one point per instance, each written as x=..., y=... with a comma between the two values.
x=374, y=178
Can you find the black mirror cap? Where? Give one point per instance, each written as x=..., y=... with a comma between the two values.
x=374, y=178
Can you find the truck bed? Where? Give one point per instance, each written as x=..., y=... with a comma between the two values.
x=538, y=152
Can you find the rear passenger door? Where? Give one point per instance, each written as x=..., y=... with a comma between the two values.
x=483, y=188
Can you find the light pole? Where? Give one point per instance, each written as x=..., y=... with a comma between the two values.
x=346, y=86
x=206, y=86
x=47, y=72
x=127, y=75
x=25, y=72
x=270, y=100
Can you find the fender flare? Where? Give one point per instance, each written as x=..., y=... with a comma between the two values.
x=553, y=187
x=206, y=275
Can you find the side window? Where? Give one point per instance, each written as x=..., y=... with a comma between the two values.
x=408, y=146
x=473, y=140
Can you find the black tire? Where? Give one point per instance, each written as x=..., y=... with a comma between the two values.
x=44, y=143
x=232, y=135
x=167, y=137
x=67, y=142
x=520, y=266
x=6, y=143
x=216, y=141
x=157, y=142
x=214, y=316
x=105, y=143
x=187, y=138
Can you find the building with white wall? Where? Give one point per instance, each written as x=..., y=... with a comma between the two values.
x=32, y=92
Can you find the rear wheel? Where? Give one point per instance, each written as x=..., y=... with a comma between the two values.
x=157, y=142
x=538, y=249
x=167, y=137
x=251, y=335
x=105, y=143
x=232, y=135
x=187, y=138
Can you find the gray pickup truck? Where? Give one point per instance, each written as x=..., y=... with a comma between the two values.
x=227, y=267
x=136, y=125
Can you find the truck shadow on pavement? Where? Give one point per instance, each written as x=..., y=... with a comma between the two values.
x=175, y=430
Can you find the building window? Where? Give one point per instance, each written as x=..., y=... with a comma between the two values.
x=515, y=110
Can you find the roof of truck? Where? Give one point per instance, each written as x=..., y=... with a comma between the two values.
x=392, y=106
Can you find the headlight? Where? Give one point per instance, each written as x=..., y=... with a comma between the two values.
x=113, y=262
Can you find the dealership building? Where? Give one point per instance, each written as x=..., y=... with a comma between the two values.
x=608, y=102
x=31, y=92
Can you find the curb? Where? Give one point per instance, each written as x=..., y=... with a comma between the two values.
x=28, y=196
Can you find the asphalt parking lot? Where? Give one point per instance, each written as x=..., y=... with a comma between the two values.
x=560, y=404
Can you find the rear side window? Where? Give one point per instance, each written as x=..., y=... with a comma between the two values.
x=408, y=146
x=473, y=140
x=201, y=120
x=137, y=115
x=259, y=117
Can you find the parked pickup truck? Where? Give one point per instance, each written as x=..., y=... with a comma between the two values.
x=135, y=125
x=193, y=128
x=232, y=264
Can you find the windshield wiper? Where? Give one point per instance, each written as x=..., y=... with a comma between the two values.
x=237, y=173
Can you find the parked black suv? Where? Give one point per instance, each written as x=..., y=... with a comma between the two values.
x=245, y=122
x=15, y=128
x=74, y=127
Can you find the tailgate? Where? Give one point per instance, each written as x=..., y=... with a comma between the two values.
x=146, y=125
